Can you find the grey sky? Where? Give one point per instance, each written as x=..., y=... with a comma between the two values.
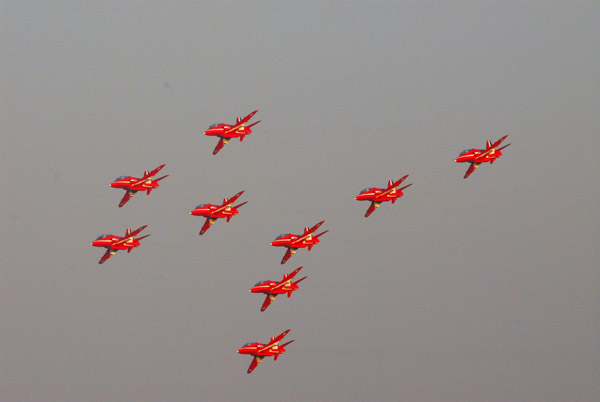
x=464, y=290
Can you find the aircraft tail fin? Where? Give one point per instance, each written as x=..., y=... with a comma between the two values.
x=488, y=144
x=237, y=120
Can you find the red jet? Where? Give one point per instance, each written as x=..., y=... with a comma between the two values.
x=272, y=288
x=294, y=242
x=477, y=156
x=226, y=131
x=132, y=184
x=260, y=351
x=379, y=195
x=213, y=212
x=113, y=243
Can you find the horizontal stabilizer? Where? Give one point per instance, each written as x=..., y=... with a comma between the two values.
x=253, y=124
x=408, y=185
x=322, y=233
x=500, y=149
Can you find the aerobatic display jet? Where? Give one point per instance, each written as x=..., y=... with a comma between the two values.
x=132, y=184
x=213, y=212
x=260, y=351
x=379, y=195
x=477, y=156
x=272, y=288
x=225, y=132
x=114, y=243
x=294, y=242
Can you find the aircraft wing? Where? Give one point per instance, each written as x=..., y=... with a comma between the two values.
x=372, y=208
x=240, y=123
x=137, y=231
x=397, y=183
x=287, y=255
x=471, y=169
x=495, y=144
x=219, y=146
x=131, y=235
x=274, y=341
x=207, y=224
x=148, y=175
x=106, y=256
x=254, y=363
x=287, y=279
x=314, y=228
x=267, y=302
x=234, y=198
x=127, y=197
x=228, y=202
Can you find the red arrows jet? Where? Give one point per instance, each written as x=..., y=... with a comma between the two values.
x=113, y=243
x=477, y=156
x=260, y=351
x=132, y=184
x=227, y=131
x=294, y=242
x=213, y=212
x=272, y=288
x=379, y=195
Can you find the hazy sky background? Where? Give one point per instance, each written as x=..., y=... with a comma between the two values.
x=485, y=289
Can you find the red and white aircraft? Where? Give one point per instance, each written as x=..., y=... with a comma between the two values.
x=114, y=243
x=379, y=195
x=294, y=242
x=213, y=212
x=227, y=131
x=260, y=351
x=132, y=184
x=273, y=288
x=477, y=156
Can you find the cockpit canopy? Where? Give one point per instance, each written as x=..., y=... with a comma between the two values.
x=120, y=178
x=282, y=235
x=102, y=236
x=214, y=125
x=200, y=206
x=466, y=151
x=247, y=344
x=260, y=283
x=364, y=190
